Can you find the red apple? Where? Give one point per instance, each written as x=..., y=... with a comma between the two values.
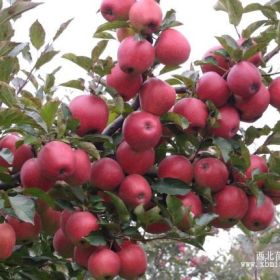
x=92, y=113
x=142, y=130
x=7, y=241
x=228, y=122
x=24, y=230
x=211, y=86
x=65, y=214
x=31, y=176
x=177, y=167
x=158, y=227
x=231, y=204
x=56, y=160
x=274, y=91
x=82, y=254
x=106, y=174
x=253, y=107
x=244, y=79
x=194, y=110
x=116, y=10
x=172, y=47
x=82, y=170
x=259, y=217
x=133, y=260
x=79, y=225
x=135, y=190
x=156, y=96
x=134, y=162
x=62, y=245
x=135, y=56
x=210, y=173
x=103, y=264
x=50, y=219
x=145, y=16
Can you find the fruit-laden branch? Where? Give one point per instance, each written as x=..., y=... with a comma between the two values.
x=271, y=54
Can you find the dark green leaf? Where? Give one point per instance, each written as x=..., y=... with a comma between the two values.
x=175, y=209
x=23, y=207
x=37, y=34
x=231, y=46
x=224, y=146
x=45, y=58
x=147, y=217
x=98, y=50
x=169, y=68
x=247, y=53
x=77, y=84
x=169, y=20
x=7, y=95
x=49, y=83
x=171, y=186
x=104, y=35
x=82, y=61
x=48, y=112
x=120, y=207
x=62, y=27
x=90, y=148
x=6, y=31
x=252, y=133
x=9, y=66
x=111, y=25
x=251, y=28
x=173, y=118
x=38, y=193
x=274, y=162
x=96, y=238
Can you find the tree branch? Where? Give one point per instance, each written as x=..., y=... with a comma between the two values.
x=271, y=54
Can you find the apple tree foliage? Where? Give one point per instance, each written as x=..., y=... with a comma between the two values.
x=31, y=108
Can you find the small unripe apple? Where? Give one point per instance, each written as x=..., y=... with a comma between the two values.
x=172, y=47
x=210, y=173
x=106, y=174
x=134, y=162
x=103, y=264
x=57, y=160
x=135, y=190
x=62, y=245
x=142, y=130
x=7, y=241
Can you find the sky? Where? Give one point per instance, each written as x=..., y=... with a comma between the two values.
x=201, y=24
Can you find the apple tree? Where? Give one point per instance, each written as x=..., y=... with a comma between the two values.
x=146, y=152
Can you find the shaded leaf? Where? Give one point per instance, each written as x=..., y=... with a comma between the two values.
x=175, y=209
x=38, y=193
x=171, y=186
x=174, y=118
x=37, y=35
x=252, y=133
x=9, y=66
x=7, y=155
x=147, y=217
x=96, y=238
x=224, y=146
x=7, y=94
x=48, y=112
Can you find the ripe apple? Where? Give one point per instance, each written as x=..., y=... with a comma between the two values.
x=231, y=204
x=135, y=190
x=156, y=96
x=7, y=241
x=274, y=91
x=177, y=167
x=210, y=173
x=158, y=227
x=79, y=225
x=62, y=245
x=104, y=264
x=274, y=194
x=191, y=201
x=135, y=56
x=124, y=32
x=253, y=107
x=172, y=47
x=133, y=260
x=244, y=79
x=194, y=110
x=259, y=217
x=116, y=10
x=50, y=219
x=92, y=113
x=228, y=122
x=134, y=162
x=211, y=86
x=31, y=176
x=21, y=154
x=82, y=254
x=142, y=130
x=24, y=230
x=65, y=214
x=221, y=59
x=106, y=174
x=57, y=160
x=127, y=85
x=145, y=16
x=82, y=170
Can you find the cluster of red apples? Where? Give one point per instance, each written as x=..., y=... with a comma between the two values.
x=235, y=88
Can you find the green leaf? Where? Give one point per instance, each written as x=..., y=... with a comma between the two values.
x=48, y=112
x=45, y=58
x=147, y=217
x=98, y=50
x=77, y=84
x=252, y=133
x=96, y=238
x=23, y=207
x=251, y=28
x=224, y=146
x=6, y=31
x=174, y=118
x=169, y=20
x=169, y=68
x=104, y=35
x=16, y=9
x=82, y=61
x=120, y=207
x=249, y=52
x=36, y=117
x=111, y=25
x=38, y=193
x=171, y=186
x=205, y=219
x=267, y=11
x=37, y=35
x=175, y=209
x=7, y=155
x=9, y=67
x=231, y=46
x=90, y=148
x=233, y=8
x=7, y=94
x=61, y=29
x=274, y=162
